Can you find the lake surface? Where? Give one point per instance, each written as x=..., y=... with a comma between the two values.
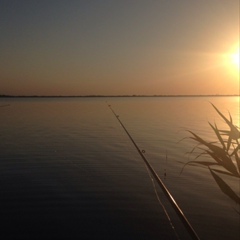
x=68, y=170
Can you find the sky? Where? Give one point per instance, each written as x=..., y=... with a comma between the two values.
x=119, y=47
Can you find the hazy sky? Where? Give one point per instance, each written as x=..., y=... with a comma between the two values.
x=74, y=47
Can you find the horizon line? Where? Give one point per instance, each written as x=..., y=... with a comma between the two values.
x=121, y=95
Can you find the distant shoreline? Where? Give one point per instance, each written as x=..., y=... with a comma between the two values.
x=93, y=96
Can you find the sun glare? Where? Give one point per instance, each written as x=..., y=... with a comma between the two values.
x=231, y=60
x=235, y=58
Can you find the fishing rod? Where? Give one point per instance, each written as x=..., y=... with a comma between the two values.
x=169, y=196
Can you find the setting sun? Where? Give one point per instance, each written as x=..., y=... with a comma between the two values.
x=235, y=58
x=231, y=61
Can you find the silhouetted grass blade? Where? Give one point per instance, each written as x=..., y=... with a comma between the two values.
x=225, y=188
x=234, y=133
x=237, y=159
x=224, y=152
x=215, y=129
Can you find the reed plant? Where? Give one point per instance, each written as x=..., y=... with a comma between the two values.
x=224, y=154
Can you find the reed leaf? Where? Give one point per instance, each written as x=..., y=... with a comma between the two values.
x=222, y=172
x=219, y=161
x=225, y=188
x=215, y=129
x=229, y=142
x=234, y=133
x=211, y=146
x=225, y=119
x=224, y=152
x=193, y=163
x=230, y=117
x=226, y=132
x=206, y=164
x=235, y=150
x=224, y=161
x=237, y=158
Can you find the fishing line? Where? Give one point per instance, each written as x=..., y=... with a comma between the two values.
x=174, y=204
x=160, y=202
x=157, y=196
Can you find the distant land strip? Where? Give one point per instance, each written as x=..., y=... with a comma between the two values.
x=139, y=95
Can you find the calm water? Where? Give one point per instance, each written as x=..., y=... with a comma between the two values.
x=68, y=170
